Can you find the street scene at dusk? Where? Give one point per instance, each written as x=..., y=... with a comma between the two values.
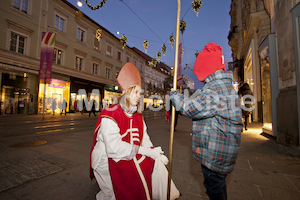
x=128, y=99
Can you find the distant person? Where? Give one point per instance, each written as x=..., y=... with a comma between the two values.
x=53, y=106
x=64, y=107
x=93, y=109
x=177, y=113
x=83, y=106
x=244, y=90
x=217, y=120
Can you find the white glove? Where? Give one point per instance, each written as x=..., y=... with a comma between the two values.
x=152, y=153
x=164, y=159
x=159, y=150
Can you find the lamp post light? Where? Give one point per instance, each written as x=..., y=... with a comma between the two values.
x=79, y=3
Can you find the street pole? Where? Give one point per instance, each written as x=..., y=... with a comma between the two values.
x=173, y=108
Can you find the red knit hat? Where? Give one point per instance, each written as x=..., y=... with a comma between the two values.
x=208, y=61
x=129, y=76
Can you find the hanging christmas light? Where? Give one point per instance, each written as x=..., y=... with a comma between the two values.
x=154, y=61
x=172, y=40
x=182, y=26
x=164, y=49
x=145, y=44
x=196, y=54
x=123, y=40
x=187, y=66
x=151, y=64
x=98, y=34
x=158, y=55
x=196, y=5
x=95, y=7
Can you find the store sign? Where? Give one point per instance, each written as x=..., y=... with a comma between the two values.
x=17, y=68
x=57, y=86
x=47, y=46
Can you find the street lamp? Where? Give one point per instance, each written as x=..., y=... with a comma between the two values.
x=79, y=3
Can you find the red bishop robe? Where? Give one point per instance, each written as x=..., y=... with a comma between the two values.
x=131, y=179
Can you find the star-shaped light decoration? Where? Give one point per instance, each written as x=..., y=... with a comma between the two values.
x=158, y=55
x=172, y=40
x=145, y=44
x=196, y=5
x=182, y=26
x=164, y=49
x=123, y=41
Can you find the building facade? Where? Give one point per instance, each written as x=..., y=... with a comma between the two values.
x=189, y=82
x=154, y=80
x=264, y=38
x=86, y=56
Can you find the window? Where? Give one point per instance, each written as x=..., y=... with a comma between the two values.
x=117, y=73
x=80, y=34
x=59, y=23
x=107, y=73
x=108, y=50
x=21, y=5
x=134, y=63
x=79, y=63
x=96, y=43
x=57, y=56
x=119, y=55
x=17, y=43
x=127, y=59
x=95, y=69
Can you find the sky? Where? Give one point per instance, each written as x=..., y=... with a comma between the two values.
x=155, y=21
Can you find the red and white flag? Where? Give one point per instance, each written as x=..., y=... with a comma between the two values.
x=47, y=46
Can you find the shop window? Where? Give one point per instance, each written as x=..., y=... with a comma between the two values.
x=109, y=50
x=57, y=56
x=107, y=73
x=17, y=43
x=81, y=34
x=95, y=69
x=22, y=5
x=59, y=23
x=79, y=63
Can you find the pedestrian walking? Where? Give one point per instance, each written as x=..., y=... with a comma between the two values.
x=244, y=91
x=177, y=113
x=63, y=107
x=83, y=106
x=93, y=109
x=217, y=120
x=123, y=158
x=53, y=106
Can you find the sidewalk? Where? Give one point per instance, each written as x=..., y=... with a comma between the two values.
x=59, y=169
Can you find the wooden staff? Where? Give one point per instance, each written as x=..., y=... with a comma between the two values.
x=173, y=108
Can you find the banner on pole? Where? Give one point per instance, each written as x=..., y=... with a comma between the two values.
x=47, y=47
x=179, y=70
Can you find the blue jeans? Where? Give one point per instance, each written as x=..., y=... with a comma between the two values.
x=215, y=184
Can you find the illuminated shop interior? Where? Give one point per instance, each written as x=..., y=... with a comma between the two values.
x=56, y=92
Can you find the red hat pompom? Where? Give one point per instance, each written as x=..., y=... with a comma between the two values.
x=208, y=61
